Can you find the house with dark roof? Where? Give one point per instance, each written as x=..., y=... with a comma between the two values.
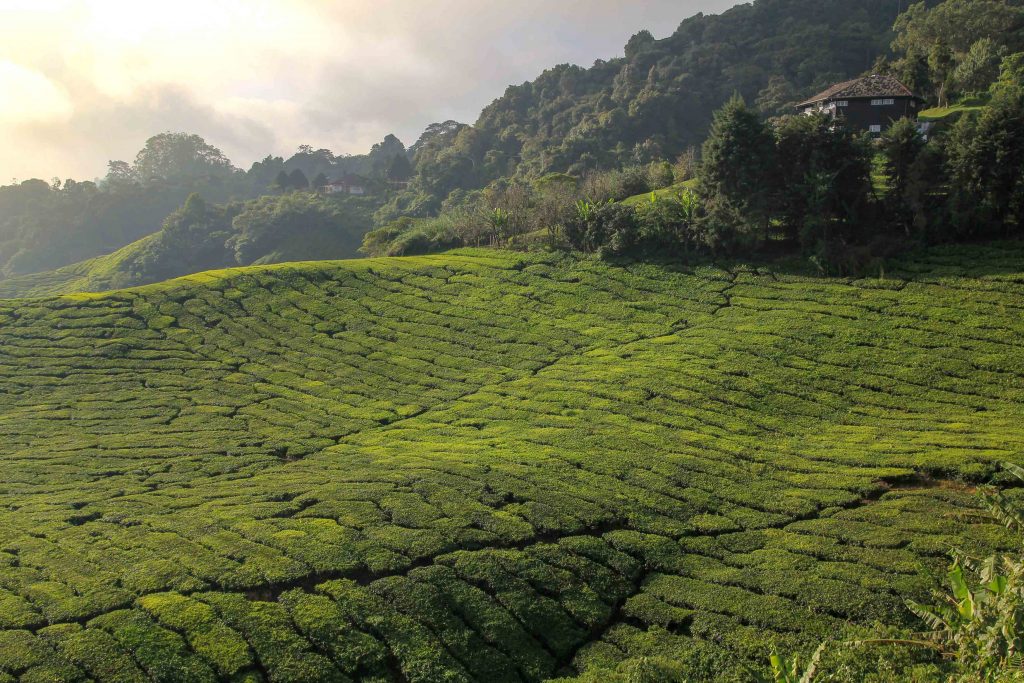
x=871, y=103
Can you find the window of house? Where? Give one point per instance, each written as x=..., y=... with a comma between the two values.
x=882, y=102
x=875, y=129
x=842, y=103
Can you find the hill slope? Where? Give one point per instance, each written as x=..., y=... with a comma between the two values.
x=198, y=237
x=657, y=100
x=92, y=275
x=489, y=466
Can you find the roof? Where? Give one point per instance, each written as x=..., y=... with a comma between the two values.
x=874, y=85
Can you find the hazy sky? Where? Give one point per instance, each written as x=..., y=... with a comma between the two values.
x=85, y=81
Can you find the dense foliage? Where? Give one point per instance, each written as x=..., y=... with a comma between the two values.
x=548, y=211
x=47, y=225
x=654, y=103
x=843, y=199
x=956, y=46
x=295, y=226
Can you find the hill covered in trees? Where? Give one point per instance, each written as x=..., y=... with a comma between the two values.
x=493, y=466
x=294, y=226
x=656, y=101
x=46, y=225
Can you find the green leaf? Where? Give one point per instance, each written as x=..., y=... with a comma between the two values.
x=998, y=584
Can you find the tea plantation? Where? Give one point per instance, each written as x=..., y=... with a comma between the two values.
x=488, y=466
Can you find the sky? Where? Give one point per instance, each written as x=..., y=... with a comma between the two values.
x=86, y=81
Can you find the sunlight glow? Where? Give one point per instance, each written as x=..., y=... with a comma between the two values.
x=27, y=95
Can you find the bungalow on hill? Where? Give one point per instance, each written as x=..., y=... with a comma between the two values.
x=349, y=184
x=871, y=103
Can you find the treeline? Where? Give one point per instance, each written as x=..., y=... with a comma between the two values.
x=956, y=47
x=48, y=224
x=295, y=226
x=506, y=177
x=655, y=102
x=766, y=177
x=847, y=199
x=794, y=182
x=522, y=213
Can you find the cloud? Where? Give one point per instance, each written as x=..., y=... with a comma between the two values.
x=86, y=81
x=27, y=95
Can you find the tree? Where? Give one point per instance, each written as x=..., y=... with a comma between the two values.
x=195, y=207
x=320, y=181
x=986, y=156
x=777, y=97
x=738, y=159
x=638, y=43
x=296, y=226
x=179, y=155
x=979, y=67
x=436, y=136
x=382, y=154
x=297, y=180
x=399, y=170
x=821, y=184
x=262, y=174
x=943, y=37
x=120, y=172
x=282, y=183
x=901, y=146
x=553, y=204
x=610, y=228
x=1011, y=74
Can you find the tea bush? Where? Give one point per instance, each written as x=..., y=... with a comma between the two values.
x=494, y=466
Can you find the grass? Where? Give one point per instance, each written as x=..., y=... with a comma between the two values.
x=940, y=114
x=492, y=466
x=675, y=191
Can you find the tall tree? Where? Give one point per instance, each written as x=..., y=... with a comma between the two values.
x=179, y=155
x=986, y=156
x=383, y=153
x=901, y=147
x=777, y=97
x=282, y=182
x=979, y=67
x=120, y=172
x=399, y=169
x=738, y=159
x=821, y=182
x=297, y=180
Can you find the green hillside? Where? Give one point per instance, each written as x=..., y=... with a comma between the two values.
x=673, y=191
x=197, y=237
x=93, y=275
x=492, y=466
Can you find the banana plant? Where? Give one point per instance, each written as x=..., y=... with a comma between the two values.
x=787, y=670
x=585, y=210
x=690, y=203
